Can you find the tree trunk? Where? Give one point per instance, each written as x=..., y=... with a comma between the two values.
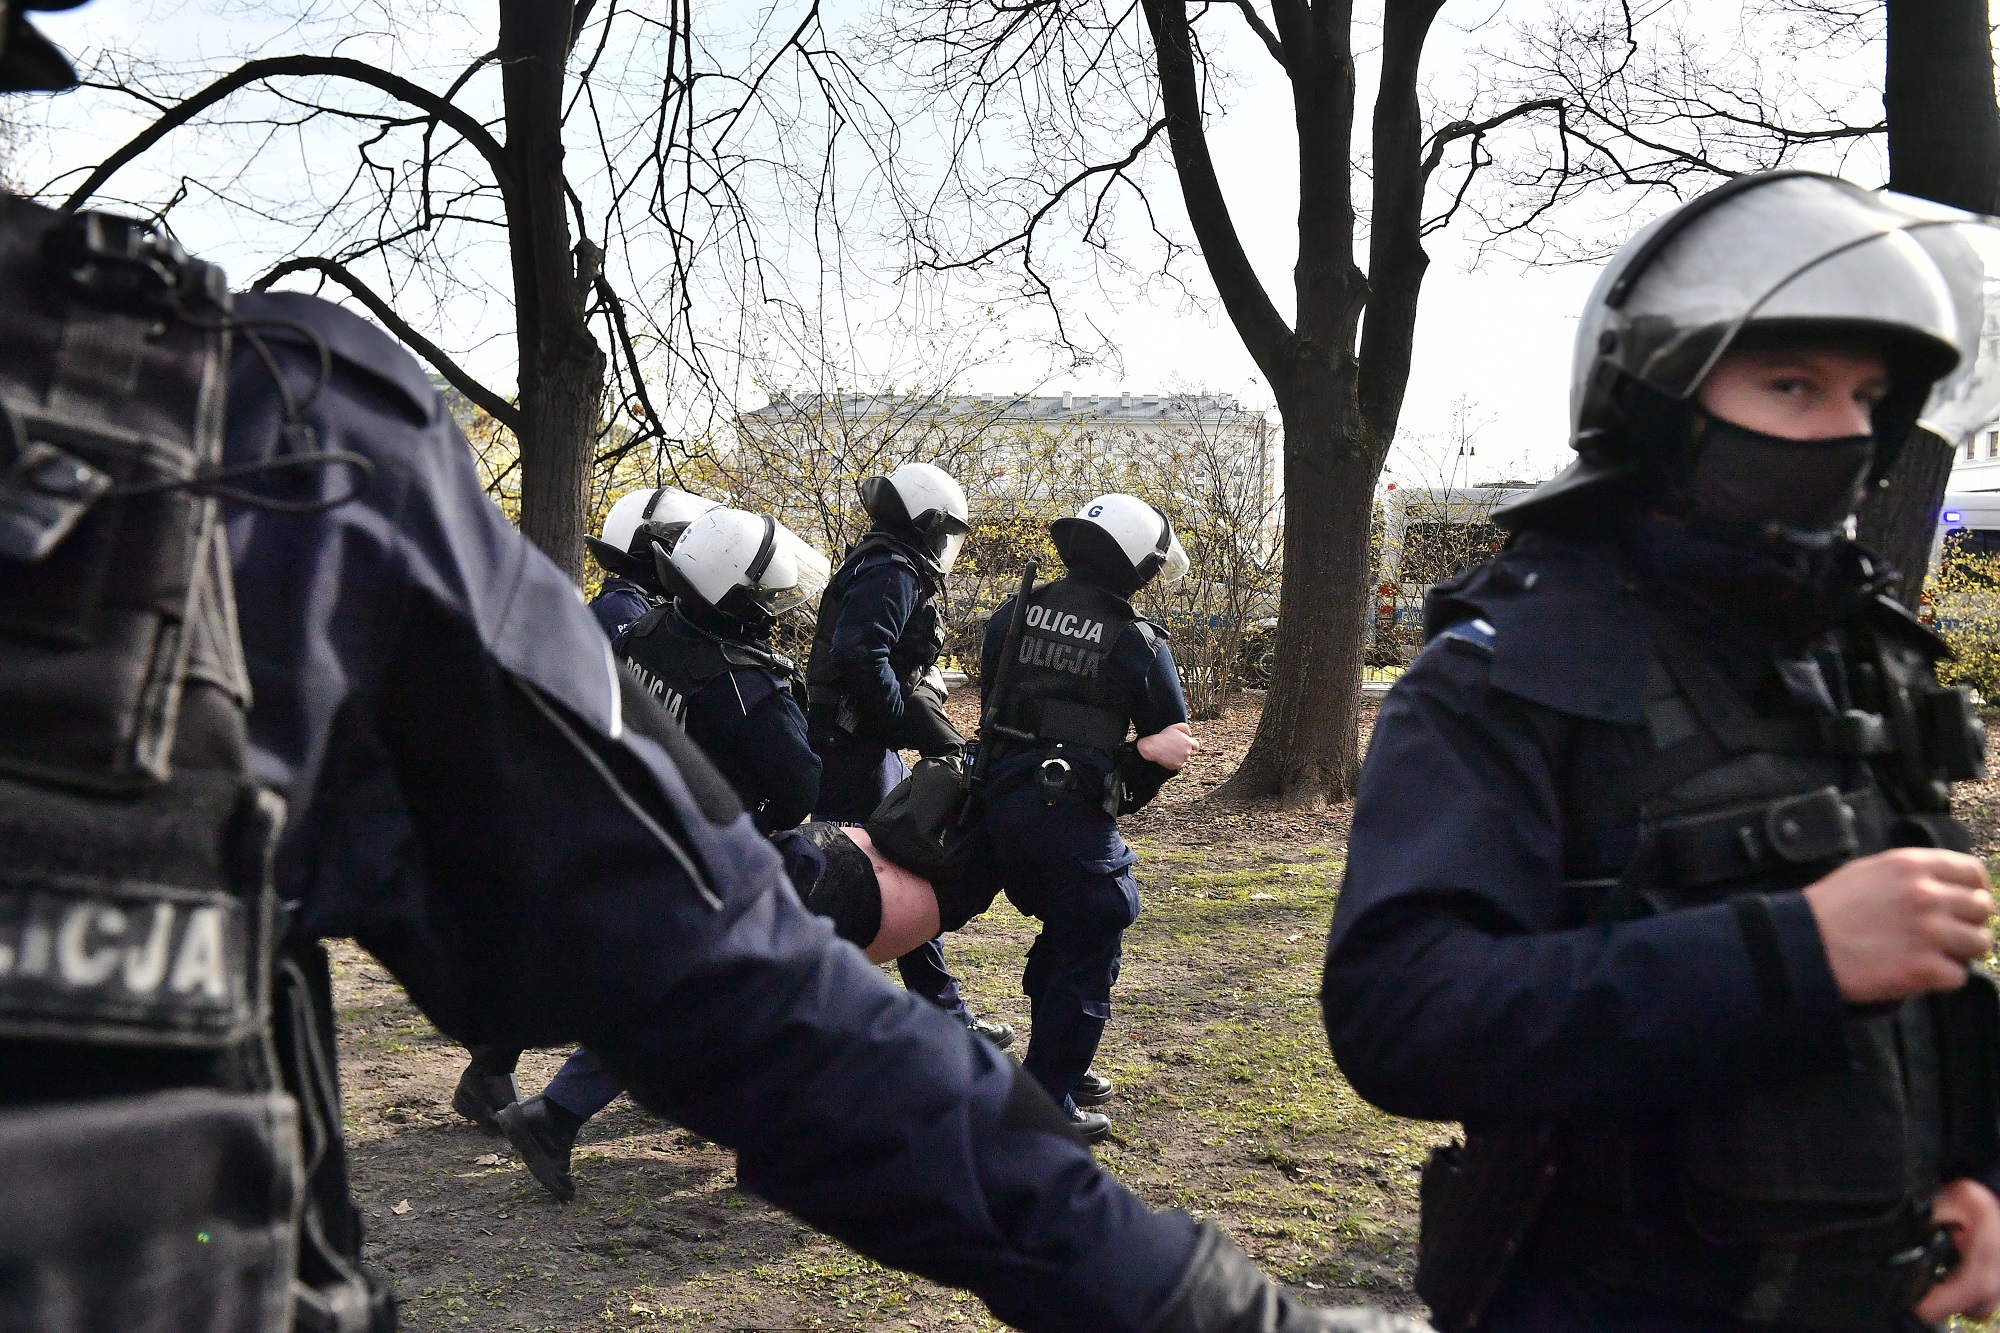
x=1340, y=409
x=1305, y=750
x=1944, y=144
x=562, y=367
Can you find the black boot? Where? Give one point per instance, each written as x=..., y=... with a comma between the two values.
x=1095, y=1128
x=538, y=1132
x=1093, y=1089
x=480, y=1095
x=1000, y=1034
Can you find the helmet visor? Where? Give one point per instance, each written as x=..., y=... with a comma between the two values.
x=948, y=555
x=1175, y=567
x=1968, y=398
x=1801, y=253
x=796, y=576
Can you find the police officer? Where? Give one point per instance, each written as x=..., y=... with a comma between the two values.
x=706, y=658
x=565, y=863
x=624, y=551
x=1086, y=670
x=636, y=524
x=1653, y=882
x=873, y=678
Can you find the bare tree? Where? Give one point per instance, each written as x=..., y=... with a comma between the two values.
x=689, y=145
x=1096, y=90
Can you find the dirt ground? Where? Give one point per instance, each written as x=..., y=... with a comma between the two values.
x=1228, y=1106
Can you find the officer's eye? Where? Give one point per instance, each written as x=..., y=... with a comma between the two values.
x=1793, y=386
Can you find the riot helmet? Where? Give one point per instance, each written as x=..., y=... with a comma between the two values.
x=637, y=521
x=1121, y=543
x=30, y=62
x=746, y=567
x=1778, y=259
x=921, y=501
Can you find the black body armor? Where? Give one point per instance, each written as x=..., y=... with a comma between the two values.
x=1058, y=688
x=166, y=1070
x=913, y=654
x=1801, y=1202
x=674, y=659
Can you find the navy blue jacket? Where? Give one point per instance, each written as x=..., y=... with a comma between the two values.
x=881, y=594
x=1140, y=665
x=481, y=798
x=620, y=604
x=1451, y=991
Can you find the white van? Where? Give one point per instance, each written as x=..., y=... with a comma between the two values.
x=1429, y=534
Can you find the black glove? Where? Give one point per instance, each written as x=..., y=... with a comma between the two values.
x=1221, y=1291
x=1134, y=781
x=925, y=728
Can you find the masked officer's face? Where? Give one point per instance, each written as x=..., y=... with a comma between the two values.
x=1801, y=393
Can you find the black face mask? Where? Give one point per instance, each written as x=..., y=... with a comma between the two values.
x=1807, y=486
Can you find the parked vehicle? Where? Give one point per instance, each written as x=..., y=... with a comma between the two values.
x=1428, y=534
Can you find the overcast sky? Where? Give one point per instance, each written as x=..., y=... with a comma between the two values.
x=1497, y=336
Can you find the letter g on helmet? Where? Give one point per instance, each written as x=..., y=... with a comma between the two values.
x=1121, y=542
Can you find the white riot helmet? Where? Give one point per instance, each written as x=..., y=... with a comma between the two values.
x=1121, y=542
x=1766, y=258
x=749, y=567
x=639, y=519
x=922, y=499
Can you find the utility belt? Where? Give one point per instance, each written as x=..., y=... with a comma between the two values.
x=1858, y=1276
x=1060, y=729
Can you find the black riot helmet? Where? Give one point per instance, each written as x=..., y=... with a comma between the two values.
x=1121, y=543
x=1786, y=258
x=922, y=502
x=30, y=62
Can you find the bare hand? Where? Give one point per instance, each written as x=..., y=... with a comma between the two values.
x=1902, y=922
x=1968, y=1210
x=1169, y=748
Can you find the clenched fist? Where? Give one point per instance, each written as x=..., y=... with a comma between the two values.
x=1902, y=922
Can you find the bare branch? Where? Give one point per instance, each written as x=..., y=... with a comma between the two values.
x=468, y=128
x=492, y=403
x=1263, y=30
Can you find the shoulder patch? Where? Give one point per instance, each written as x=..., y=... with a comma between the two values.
x=350, y=338
x=1477, y=634
x=1152, y=632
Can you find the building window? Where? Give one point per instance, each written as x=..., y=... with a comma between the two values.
x=1970, y=446
x=1993, y=444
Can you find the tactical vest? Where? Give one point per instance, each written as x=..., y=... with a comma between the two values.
x=915, y=651
x=675, y=660
x=166, y=1072
x=1058, y=686
x=1805, y=1201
